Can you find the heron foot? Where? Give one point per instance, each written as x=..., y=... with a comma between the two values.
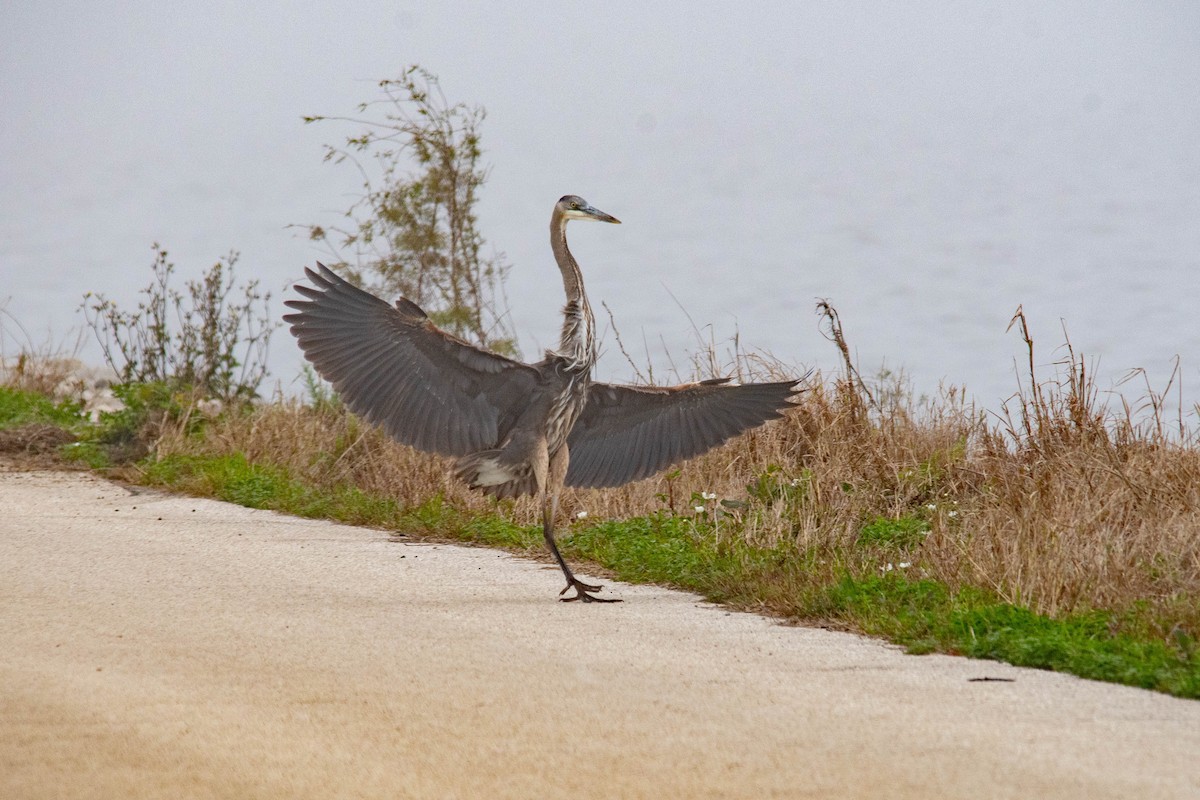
x=582, y=593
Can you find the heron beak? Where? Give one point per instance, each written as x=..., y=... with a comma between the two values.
x=599, y=215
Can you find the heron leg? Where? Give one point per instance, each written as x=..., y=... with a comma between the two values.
x=549, y=507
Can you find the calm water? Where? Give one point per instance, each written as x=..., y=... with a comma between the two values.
x=926, y=169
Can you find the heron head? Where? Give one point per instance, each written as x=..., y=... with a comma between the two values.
x=575, y=207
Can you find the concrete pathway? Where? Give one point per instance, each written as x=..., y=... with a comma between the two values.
x=158, y=646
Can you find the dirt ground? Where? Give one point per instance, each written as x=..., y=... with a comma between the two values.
x=159, y=646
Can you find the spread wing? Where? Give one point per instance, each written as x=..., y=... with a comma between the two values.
x=395, y=368
x=631, y=432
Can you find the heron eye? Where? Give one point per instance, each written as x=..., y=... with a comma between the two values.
x=574, y=205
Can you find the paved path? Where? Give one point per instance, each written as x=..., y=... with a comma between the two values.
x=157, y=646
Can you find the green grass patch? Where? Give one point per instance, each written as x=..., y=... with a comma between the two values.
x=90, y=454
x=661, y=548
x=926, y=616
x=500, y=532
x=113, y=439
x=19, y=408
x=905, y=532
x=437, y=519
x=233, y=479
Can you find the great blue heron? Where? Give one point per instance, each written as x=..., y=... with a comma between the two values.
x=512, y=425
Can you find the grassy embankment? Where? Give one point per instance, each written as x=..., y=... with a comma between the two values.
x=1059, y=536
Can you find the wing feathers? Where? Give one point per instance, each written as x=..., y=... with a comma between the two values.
x=393, y=367
x=627, y=432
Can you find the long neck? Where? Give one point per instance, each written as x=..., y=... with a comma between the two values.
x=577, y=343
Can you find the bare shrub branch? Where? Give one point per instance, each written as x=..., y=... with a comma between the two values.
x=208, y=337
x=414, y=230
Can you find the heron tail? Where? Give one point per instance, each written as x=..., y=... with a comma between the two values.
x=490, y=471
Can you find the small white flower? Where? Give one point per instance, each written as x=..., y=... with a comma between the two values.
x=887, y=567
x=709, y=495
x=699, y=509
x=904, y=564
x=932, y=507
x=952, y=514
x=581, y=515
x=795, y=481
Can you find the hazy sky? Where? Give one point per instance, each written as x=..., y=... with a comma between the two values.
x=928, y=166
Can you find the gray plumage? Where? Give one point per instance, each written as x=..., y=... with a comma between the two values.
x=516, y=428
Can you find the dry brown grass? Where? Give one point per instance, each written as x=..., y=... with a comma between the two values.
x=1057, y=504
